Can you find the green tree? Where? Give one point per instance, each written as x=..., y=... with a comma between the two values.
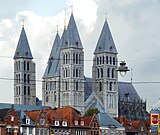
x=91, y=112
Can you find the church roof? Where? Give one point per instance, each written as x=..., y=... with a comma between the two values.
x=52, y=68
x=72, y=38
x=105, y=42
x=105, y=120
x=127, y=92
x=23, y=49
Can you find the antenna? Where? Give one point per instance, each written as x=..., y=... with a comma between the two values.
x=71, y=9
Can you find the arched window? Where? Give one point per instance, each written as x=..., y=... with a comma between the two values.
x=100, y=86
x=110, y=86
x=77, y=72
x=68, y=57
x=24, y=65
x=74, y=57
x=107, y=59
x=110, y=60
x=80, y=58
x=97, y=72
x=74, y=73
x=103, y=59
x=66, y=83
x=101, y=72
x=97, y=60
x=28, y=66
x=76, y=85
x=28, y=90
x=113, y=73
x=114, y=61
x=77, y=58
x=28, y=78
x=108, y=72
x=63, y=59
x=100, y=60
x=24, y=78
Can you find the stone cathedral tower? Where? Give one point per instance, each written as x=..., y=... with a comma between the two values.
x=72, y=68
x=24, y=73
x=63, y=80
x=104, y=72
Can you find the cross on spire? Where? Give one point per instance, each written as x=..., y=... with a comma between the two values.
x=105, y=16
x=23, y=22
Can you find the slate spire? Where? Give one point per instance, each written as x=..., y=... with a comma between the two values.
x=105, y=42
x=72, y=35
x=23, y=49
x=53, y=61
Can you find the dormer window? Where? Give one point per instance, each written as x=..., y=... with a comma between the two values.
x=12, y=118
x=42, y=121
x=56, y=123
x=76, y=122
x=27, y=121
x=82, y=123
x=64, y=123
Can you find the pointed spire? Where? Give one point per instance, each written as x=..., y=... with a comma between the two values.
x=53, y=62
x=23, y=49
x=72, y=38
x=105, y=42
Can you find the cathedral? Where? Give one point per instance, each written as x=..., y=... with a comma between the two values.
x=64, y=82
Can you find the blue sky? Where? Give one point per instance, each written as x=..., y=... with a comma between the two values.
x=134, y=25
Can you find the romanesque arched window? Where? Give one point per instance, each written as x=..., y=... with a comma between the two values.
x=101, y=72
x=69, y=57
x=113, y=73
x=97, y=72
x=100, y=86
x=114, y=61
x=76, y=85
x=103, y=59
x=107, y=59
x=63, y=58
x=77, y=58
x=76, y=72
x=28, y=66
x=110, y=60
x=24, y=65
x=108, y=72
x=100, y=60
x=110, y=86
x=97, y=60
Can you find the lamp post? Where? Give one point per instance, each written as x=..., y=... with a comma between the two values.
x=122, y=69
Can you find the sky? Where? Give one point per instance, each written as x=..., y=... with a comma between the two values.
x=134, y=24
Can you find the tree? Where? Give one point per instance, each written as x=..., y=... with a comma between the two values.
x=91, y=112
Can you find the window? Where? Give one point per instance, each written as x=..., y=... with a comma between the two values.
x=24, y=65
x=110, y=86
x=42, y=121
x=100, y=60
x=110, y=60
x=24, y=78
x=12, y=118
x=77, y=72
x=101, y=72
x=24, y=90
x=56, y=123
x=113, y=73
x=107, y=59
x=28, y=78
x=28, y=66
x=27, y=121
x=114, y=62
x=77, y=86
x=29, y=90
x=64, y=123
x=97, y=61
x=76, y=122
x=97, y=73
x=100, y=86
x=77, y=58
x=108, y=72
x=103, y=59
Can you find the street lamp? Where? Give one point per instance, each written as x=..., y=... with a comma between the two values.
x=123, y=68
